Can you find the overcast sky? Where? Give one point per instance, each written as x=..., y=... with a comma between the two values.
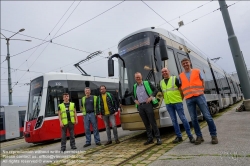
x=103, y=33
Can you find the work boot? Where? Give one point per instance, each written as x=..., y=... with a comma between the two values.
x=117, y=141
x=86, y=145
x=214, y=140
x=198, y=140
x=107, y=143
x=149, y=141
x=191, y=139
x=98, y=144
x=158, y=141
x=177, y=140
x=73, y=147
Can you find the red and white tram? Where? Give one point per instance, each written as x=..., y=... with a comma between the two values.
x=41, y=119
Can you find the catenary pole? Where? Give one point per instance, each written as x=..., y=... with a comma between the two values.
x=9, y=73
x=8, y=62
x=236, y=52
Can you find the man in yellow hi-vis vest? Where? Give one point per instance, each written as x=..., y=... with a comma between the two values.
x=173, y=99
x=89, y=107
x=67, y=118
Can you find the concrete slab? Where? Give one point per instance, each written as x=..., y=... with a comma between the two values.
x=233, y=130
x=203, y=161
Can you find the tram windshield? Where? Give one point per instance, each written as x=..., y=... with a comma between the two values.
x=138, y=53
x=35, y=98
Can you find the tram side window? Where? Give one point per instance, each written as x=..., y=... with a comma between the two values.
x=236, y=87
x=219, y=78
x=1, y=122
x=231, y=85
x=225, y=85
x=171, y=64
x=206, y=73
x=54, y=96
x=180, y=57
x=209, y=81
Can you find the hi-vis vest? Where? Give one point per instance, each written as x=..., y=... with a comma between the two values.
x=83, y=104
x=148, y=91
x=170, y=91
x=194, y=86
x=64, y=114
x=108, y=95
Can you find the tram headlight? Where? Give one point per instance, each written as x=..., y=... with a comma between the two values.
x=39, y=122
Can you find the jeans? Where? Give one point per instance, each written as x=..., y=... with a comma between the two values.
x=146, y=113
x=70, y=127
x=172, y=109
x=111, y=118
x=91, y=118
x=202, y=104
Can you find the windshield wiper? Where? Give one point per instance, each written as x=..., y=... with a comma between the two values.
x=150, y=74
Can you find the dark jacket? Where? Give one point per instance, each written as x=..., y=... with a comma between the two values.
x=111, y=102
x=152, y=87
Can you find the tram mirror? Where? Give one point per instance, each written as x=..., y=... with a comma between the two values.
x=111, y=67
x=163, y=50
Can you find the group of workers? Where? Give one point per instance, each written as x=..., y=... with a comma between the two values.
x=104, y=106
x=190, y=86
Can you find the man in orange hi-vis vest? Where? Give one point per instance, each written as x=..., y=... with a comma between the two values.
x=192, y=86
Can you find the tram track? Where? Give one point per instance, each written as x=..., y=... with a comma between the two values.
x=91, y=151
x=11, y=143
x=128, y=149
x=146, y=150
x=132, y=151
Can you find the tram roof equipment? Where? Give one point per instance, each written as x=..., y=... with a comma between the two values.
x=90, y=56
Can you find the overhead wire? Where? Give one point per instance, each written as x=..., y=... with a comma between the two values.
x=89, y=20
x=61, y=17
x=55, y=34
x=178, y=30
x=205, y=15
x=169, y=23
x=198, y=18
x=48, y=41
x=46, y=36
x=198, y=7
x=66, y=20
x=71, y=29
x=51, y=41
x=76, y=26
x=22, y=70
x=3, y=61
